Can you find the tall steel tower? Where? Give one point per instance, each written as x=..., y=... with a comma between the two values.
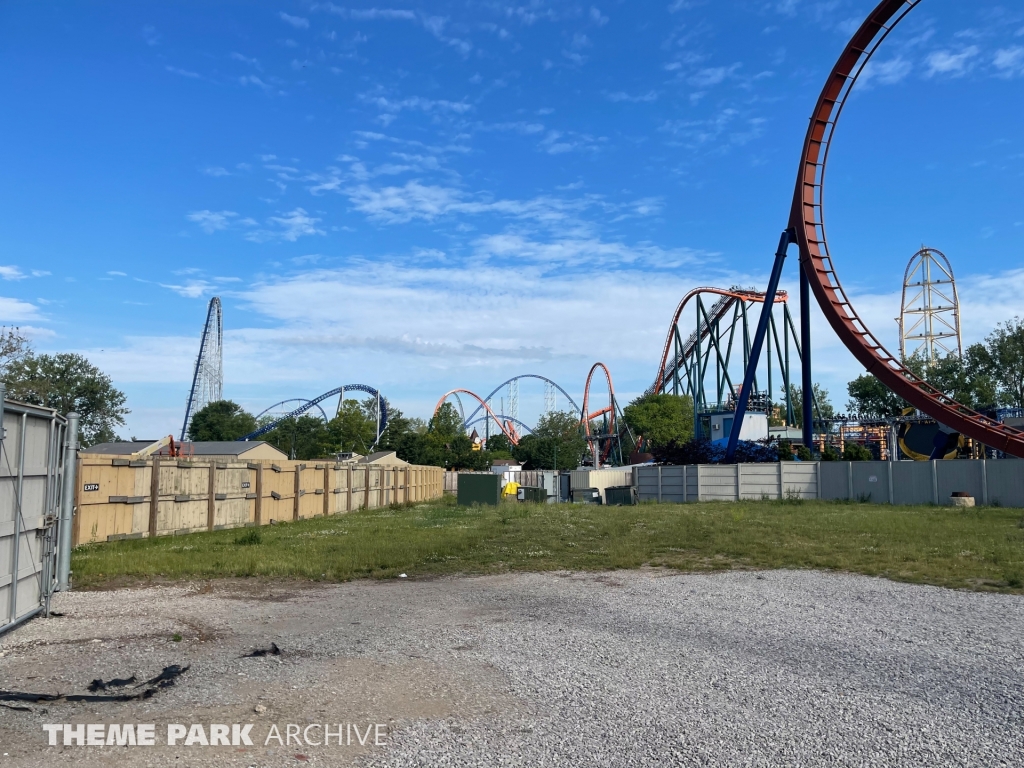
x=930, y=311
x=208, y=378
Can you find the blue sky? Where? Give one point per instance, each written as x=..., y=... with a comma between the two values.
x=437, y=195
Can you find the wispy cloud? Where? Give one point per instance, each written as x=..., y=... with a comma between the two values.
x=12, y=272
x=949, y=63
x=710, y=76
x=246, y=60
x=17, y=311
x=288, y=226
x=212, y=221
x=216, y=170
x=150, y=35
x=296, y=21
x=623, y=96
x=390, y=108
x=887, y=72
x=1009, y=61
x=183, y=72
x=192, y=289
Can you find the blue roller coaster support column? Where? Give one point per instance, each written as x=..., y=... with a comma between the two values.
x=788, y=237
x=807, y=403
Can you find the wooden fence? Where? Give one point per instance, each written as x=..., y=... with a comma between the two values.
x=119, y=498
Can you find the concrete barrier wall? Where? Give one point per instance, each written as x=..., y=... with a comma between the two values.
x=727, y=482
x=901, y=482
x=119, y=498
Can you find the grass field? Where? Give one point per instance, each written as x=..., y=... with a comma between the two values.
x=981, y=548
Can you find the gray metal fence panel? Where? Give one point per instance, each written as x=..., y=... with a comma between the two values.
x=834, y=478
x=31, y=461
x=870, y=480
x=1005, y=482
x=673, y=484
x=881, y=482
x=912, y=482
x=953, y=476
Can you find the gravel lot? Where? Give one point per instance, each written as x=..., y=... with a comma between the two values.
x=616, y=669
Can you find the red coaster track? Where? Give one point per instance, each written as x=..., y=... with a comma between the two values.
x=807, y=219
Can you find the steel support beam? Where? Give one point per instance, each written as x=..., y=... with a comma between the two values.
x=788, y=236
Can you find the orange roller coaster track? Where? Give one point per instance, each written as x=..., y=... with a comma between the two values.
x=808, y=220
x=609, y=409
x=730, y=296
x=507, y=428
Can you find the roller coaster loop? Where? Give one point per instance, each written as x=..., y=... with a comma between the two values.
x=285, y=402
x=315, y=402
x=472, y=416
x=610, y=434
x=807, y=219
x=506, y=427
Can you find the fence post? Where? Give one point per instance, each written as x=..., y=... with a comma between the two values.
x=327, y=489
x=781, y=477
x=298, y=489
x=739, y=482
x=211, y=502
x=935, y=484
x=659, y=484
x=686, y=490
x=698, y=483
x=259, y=495
x=67, y=503
x=984, y=483
x=348, y=502
x=154, y=497
x=892, y=491
x=849, y=480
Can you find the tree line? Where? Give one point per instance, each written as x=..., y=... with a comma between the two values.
x=64, y=382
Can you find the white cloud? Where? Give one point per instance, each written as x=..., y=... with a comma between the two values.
x=211, y=221
x=623, y=96
x=948, y=63
x=216, y=170
x=288, y=226
x=150, y=35
x=115, y=273
x=246, y=60
x=192, y=289
x=559, y=142
x=705, y=78
x=11, y=272
x=415, y=200
x=183, y=72
x=394, y=106
x=597, y=17
x=369, y=14
x=296, y=21
x=725, y=129
x=1009, y=61
x=884, y=72
x=17, y=311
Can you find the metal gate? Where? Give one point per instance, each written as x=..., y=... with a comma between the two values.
x=34, y=448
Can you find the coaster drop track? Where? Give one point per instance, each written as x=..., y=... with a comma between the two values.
x=807, y=230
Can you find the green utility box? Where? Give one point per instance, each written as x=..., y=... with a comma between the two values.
x=483, y=488
x=620, y=495
x=529, y=493
x=586, y=496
